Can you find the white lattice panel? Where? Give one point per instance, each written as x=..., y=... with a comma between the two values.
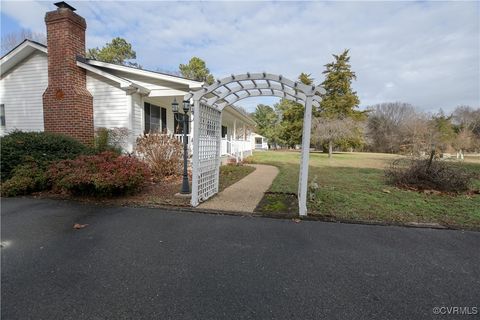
x=209, y=137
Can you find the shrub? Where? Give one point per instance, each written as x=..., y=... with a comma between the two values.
x=425, y=174
x=110, y=139
x=162, y=153
x=105, y=174
x=248, y=160
x=42, y=148
x=26, y=178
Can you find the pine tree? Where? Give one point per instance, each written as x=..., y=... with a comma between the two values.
x=306, y=78
x=196, y=69
x=266, y=120
x=291, y=124
x=340, y=100
x=290, y=130
x=119, y=51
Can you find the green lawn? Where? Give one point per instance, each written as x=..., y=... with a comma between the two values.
x=229, y=174
x=352, y=187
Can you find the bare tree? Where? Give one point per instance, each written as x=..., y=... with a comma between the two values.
x=332, y=131
x=394, y=127
x=466, y=117
x=415, y=134
x=12, y=39
x=463, y=141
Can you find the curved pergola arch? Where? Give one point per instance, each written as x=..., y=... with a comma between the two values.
x=209, y=101
x=273, y=93
x=230, y=97
x=221, y=89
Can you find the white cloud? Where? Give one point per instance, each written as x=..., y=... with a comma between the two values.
x=424, y=53
x=29, y=15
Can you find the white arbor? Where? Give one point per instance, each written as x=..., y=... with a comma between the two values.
x=208, y=105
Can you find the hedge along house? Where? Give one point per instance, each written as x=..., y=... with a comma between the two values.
x=55, y=88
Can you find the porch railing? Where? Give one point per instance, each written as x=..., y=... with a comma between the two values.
x=237, y=149
x=179, y=137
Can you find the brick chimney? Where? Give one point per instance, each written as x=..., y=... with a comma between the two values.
x=67, y=104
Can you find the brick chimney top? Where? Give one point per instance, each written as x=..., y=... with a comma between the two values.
x=64, y=5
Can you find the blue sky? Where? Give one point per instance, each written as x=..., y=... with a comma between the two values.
x=423, y=53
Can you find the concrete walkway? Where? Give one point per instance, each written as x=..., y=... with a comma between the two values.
x=245, y=194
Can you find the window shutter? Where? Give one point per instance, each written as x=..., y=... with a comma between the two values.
x=164, y=120
x=146, y=108
x=224, y=131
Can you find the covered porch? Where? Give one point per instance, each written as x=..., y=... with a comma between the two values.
x=158, y=117
x=237, y=127
x=237, y=131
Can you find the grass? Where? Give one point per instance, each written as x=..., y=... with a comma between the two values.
x=230, y=174
x=352, y=187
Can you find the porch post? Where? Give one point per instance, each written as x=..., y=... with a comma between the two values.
x=234, y=145
x=243, y=143
x=303, y=178
x=190, y=132
x=234, y=129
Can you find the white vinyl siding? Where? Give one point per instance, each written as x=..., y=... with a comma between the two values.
x=137, y=115
x=21, y=91
x=110, y=103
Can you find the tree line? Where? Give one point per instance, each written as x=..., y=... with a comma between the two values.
x=392, y=127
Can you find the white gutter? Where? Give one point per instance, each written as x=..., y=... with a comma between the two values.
x=146, y=73
x=124, y=84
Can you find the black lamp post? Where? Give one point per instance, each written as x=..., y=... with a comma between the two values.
x=184, y=118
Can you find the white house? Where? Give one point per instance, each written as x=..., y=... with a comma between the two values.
x=259, y=142
x=56, y=89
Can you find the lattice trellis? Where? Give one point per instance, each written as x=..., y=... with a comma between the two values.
x=207, y=130
x=208, y=104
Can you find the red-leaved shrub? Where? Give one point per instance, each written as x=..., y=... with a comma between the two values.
x=104, y=174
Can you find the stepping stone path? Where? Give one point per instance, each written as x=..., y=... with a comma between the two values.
x=245, y=194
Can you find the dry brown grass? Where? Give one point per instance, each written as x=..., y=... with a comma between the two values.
x=472, y=158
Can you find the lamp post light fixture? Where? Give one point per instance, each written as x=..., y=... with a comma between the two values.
x=184, y=118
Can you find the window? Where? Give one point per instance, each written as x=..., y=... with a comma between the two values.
x=224, y=131
x=2, y=115
x=155, y=118
x=178, y=126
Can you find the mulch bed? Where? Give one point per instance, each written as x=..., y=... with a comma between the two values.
x=153, y=194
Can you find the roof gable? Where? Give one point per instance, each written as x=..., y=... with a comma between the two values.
x=19, y=53
x=27, y=47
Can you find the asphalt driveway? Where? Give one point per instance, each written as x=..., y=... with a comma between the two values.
x=153, y=264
